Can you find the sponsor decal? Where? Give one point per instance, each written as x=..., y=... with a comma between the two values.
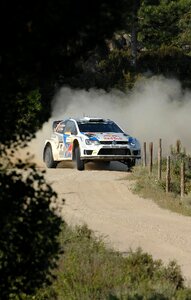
x=91, y=136
x=67, y=146
x=102, y=136
x=111, y=137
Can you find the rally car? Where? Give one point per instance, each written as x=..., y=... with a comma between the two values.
x=89, y=139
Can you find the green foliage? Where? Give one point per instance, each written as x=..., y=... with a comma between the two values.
x=118, y=71
x=89, y=270
x=149, y=186
x=29, y=229
x=114, y=67
x=33, y=106
x=28, y=115
x=167, y=60
x=159, y=24
x=176, y=161
x=22, y=117
x=184, y=38
x=43, y=42
x=164, y=44
x=115, y=70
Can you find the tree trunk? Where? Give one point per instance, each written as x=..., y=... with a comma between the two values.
x=134, y=45
x=134, y=30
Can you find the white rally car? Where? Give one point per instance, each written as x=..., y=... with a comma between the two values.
x=90, y=139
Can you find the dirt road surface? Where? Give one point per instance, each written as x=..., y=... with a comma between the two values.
x=103, y=200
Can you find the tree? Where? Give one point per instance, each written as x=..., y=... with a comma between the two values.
x=159, y=23
x=184, y=37
x=29, y=229
x=160, y=40
x=43, y=41
x=40, y=41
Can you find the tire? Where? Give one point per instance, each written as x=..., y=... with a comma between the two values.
x=79, y=162
x=107, y=163
x=133, y=162
x=130, y=164
x=48, y=158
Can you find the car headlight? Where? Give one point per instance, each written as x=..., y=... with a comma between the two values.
x=137, y=145
x=92, y=142
x=134, y=142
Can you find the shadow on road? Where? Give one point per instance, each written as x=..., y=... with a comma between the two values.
x=111, y=166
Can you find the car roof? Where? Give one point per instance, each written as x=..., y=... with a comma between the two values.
x=90, y=119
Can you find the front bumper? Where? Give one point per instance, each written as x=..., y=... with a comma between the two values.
x=110, y=157
x=110, y=152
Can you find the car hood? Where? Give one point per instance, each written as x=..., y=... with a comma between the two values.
x=108, y=136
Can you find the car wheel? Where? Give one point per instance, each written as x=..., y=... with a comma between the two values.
x=133, y=161
x=79, y=162
x=48, y=158
x=130, y=163
x=106, y=163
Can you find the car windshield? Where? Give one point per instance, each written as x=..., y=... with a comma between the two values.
x=99, y=127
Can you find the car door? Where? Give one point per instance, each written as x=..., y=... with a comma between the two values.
x=69, y=132
x=58, y=137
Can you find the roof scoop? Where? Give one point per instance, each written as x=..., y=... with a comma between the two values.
x=93, y=119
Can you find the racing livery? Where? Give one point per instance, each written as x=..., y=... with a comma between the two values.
x=90, y=139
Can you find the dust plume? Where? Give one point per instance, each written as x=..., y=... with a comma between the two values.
x=155, y=108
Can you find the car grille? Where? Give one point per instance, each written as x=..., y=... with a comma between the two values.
x=114, y=151
x=114, y=142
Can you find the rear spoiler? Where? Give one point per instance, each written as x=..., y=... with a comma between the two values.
x=55, y=124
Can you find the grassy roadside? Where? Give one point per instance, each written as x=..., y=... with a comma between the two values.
x=89, y=270
x=148, y=186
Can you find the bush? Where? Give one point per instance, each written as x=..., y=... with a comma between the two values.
x=29, y=229
x=89, y=270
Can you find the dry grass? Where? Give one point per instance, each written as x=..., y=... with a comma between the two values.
x=90, y=271
x=148, y=186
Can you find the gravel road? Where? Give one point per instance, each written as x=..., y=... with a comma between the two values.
x=103, y=200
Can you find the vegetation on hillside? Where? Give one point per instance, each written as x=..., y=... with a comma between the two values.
x=102, y=44
x=89, y=270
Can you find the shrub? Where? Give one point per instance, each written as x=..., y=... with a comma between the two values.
x=29, y=229
x=89, y=270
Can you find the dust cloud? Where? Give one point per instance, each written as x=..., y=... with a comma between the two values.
x=155, y=108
